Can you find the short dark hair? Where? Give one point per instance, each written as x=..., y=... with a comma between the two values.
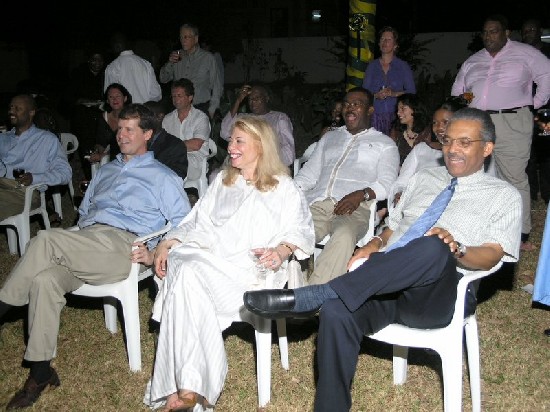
x=487, y=131
x=147, y=120
x=366, y=92
x=499, y=18
x=185, y=84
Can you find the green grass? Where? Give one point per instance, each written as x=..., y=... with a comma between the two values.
x=93, y=367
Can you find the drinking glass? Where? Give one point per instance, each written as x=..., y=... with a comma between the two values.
x=84, y=186
x=17, y=173
x=543, y=116
x=255, y=254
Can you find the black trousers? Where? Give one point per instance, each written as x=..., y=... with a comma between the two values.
x=414, y=285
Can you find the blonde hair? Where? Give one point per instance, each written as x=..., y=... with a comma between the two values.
x=269, y=162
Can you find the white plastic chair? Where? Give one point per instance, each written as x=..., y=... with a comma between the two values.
x=361, y=242
x=201, y=184
x=104, y=160
x=298, y=163
x=126, y=292
x=447, y=342
x=66, y=140
x=21, y=222
x=262, y=329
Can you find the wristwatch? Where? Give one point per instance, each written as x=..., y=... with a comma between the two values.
x=460, y=250
x=366, y=196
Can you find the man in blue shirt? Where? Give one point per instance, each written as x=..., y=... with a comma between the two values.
x=38, y=152
x=131, y=196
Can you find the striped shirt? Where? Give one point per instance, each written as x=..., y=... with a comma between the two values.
x=483, y=209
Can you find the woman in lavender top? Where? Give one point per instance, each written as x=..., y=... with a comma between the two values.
x=387, y=77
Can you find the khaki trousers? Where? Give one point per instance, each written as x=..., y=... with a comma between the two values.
x=344, y=231
x=56, y=262
x=12, y=198
x=512, y=151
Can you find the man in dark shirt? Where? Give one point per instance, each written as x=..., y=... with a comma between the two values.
x=167, y=147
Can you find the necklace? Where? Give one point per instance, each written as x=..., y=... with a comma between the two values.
x=410, y=135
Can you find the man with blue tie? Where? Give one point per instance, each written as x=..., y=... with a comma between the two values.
x=450, y=220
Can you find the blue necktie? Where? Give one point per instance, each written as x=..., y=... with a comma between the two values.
x=428, y=218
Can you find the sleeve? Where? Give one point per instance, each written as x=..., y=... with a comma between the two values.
x=227, y=124
x=368, y=79
x=202, y=127
x=155, y=92
x=167, y=72
x=58, y=170
x=296, y=222
x=308, y=175
x=174, y=202
x=387, y=168
x=216, y=84
x=110, y=76
x=284, y=130
x=408, y=168
x=408, y=79
x=458, y=86
x=541, y=77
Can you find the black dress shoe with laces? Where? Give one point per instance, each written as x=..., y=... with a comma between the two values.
x=547, y=332
x=273, y=303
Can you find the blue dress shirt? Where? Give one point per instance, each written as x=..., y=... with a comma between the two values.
x=138, y=196
x=38, y=152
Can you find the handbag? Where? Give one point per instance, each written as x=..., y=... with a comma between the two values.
x=296, y=278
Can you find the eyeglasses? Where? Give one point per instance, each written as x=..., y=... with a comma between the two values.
x=354, y=105
x=462, y=142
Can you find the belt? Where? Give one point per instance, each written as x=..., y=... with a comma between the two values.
x=512, y=110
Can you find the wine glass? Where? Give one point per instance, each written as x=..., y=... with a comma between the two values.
x=543, y=116
x=18, y=173
x=84, y=186
x=255, y=254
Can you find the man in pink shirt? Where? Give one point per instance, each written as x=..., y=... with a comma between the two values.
x=501, y=78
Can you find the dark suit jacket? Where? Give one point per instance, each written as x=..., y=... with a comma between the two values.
x=171, y=151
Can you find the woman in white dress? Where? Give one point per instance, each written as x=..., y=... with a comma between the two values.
x=206, y=265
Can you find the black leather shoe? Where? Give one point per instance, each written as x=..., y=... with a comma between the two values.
x=31, y=391
x=547, y=332
x=273, y=303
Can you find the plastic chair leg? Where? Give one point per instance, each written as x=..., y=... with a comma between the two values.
x=130, y=308
x=283, y=342
x=472, y=350
x=110, y=312
x=56, y=197
x=451, y=365
x=263, y=361
x=400, y=354
x=12, y=240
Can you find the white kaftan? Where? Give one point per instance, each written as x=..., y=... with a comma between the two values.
x=202, y=293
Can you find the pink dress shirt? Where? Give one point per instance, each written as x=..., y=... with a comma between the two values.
x=506, y=80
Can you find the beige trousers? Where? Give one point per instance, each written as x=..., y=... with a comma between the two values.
x=512, y=150
x=12, y=198
x=56, y=262
x=344, y=231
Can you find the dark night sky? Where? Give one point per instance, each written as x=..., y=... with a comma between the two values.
x=84, y=20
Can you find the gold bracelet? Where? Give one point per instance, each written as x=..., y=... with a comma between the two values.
x=287, y=246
